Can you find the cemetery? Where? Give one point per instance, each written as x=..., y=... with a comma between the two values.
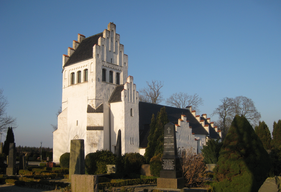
x=109, y=140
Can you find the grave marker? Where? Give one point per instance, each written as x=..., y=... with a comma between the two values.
x=171, y=173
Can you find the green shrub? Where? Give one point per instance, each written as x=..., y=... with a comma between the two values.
x=95, y=163
x=243, y=163
x=25, y=172
x=275, y=156
x=64, y=160
x=121, y=182
x=132, y=164
x=156, y=165
x=211, y=151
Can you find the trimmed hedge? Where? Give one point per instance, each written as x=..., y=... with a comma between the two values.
x=121, y=183
x=64, y=160
x=95, y=163
x=132, y=164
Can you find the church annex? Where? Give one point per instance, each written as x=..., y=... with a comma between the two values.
x=99, y=100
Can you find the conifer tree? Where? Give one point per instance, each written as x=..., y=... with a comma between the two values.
x=243, y=163
x=149, y=152
x=9, y=139
x=211, y=151
x=156, y=135
x=277, y=134
x=264, y=134
x=162, y=119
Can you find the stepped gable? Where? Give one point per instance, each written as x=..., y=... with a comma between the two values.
x=116, y=94
x=147, y=109
x=212, y=132
x=84, y=50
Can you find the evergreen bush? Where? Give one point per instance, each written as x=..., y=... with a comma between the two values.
x=132, y=164
x=243, y=163
x=264, y=134
x=211, y=151
x=276, y=133
x=156, y=165
x=95, y=163
x=64, y=160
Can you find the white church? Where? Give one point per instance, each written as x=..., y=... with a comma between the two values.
x=99, y=99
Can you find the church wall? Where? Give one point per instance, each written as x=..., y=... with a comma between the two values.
x=185, y=138
x=117, y=122
x=60, y=137
x=94, y=138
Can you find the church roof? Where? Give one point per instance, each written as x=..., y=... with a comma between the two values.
x=84, y=51
x=116, y=94
x=147, y=109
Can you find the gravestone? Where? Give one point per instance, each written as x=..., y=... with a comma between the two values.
x=22, y=164
x=76, y=161
x=11, y=169
x=171, y=173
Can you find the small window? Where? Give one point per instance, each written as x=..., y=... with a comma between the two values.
x=86, y=75
x=117, y=78
x=72, y=81
x=110, y=76
x=104, y=75
x=79, y=76
x=131, y=112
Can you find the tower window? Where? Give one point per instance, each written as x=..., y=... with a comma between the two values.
x=117, y=78
x=110, y=76
x=131, y=112
x=104, y=75
x=79, y=76
x=72, y=81
x=86, y=75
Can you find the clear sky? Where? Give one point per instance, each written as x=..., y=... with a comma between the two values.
x=214, y=48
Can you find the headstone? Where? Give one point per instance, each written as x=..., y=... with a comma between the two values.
x=77, y=161
x=22, y=164
x=11, y=169
x=171, y=173
x=84, y=183
x=111, y=169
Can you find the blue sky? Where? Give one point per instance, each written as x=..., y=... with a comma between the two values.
x=214, y=48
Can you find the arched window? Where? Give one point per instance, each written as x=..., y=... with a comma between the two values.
x=86, y=75
x=79, y=76
x=110, y=76
x=104, y=75
x=72, y=78
x=117, y=78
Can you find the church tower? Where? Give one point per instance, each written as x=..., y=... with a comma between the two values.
x=92, y=69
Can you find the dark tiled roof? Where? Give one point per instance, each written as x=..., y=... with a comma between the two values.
x=116, y=94
x=90, y=109
x=212, y=133
x=147, y=109
x=84, y=51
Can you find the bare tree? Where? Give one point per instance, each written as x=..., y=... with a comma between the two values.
x=151, y=93
x=235, y=106
x=182, y=100
x=55, y=127
x=5, y=121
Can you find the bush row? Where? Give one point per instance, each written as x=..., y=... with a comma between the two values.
x=128, y=165
x=121, y=183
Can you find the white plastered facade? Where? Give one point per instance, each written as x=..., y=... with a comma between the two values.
x=86, y=111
